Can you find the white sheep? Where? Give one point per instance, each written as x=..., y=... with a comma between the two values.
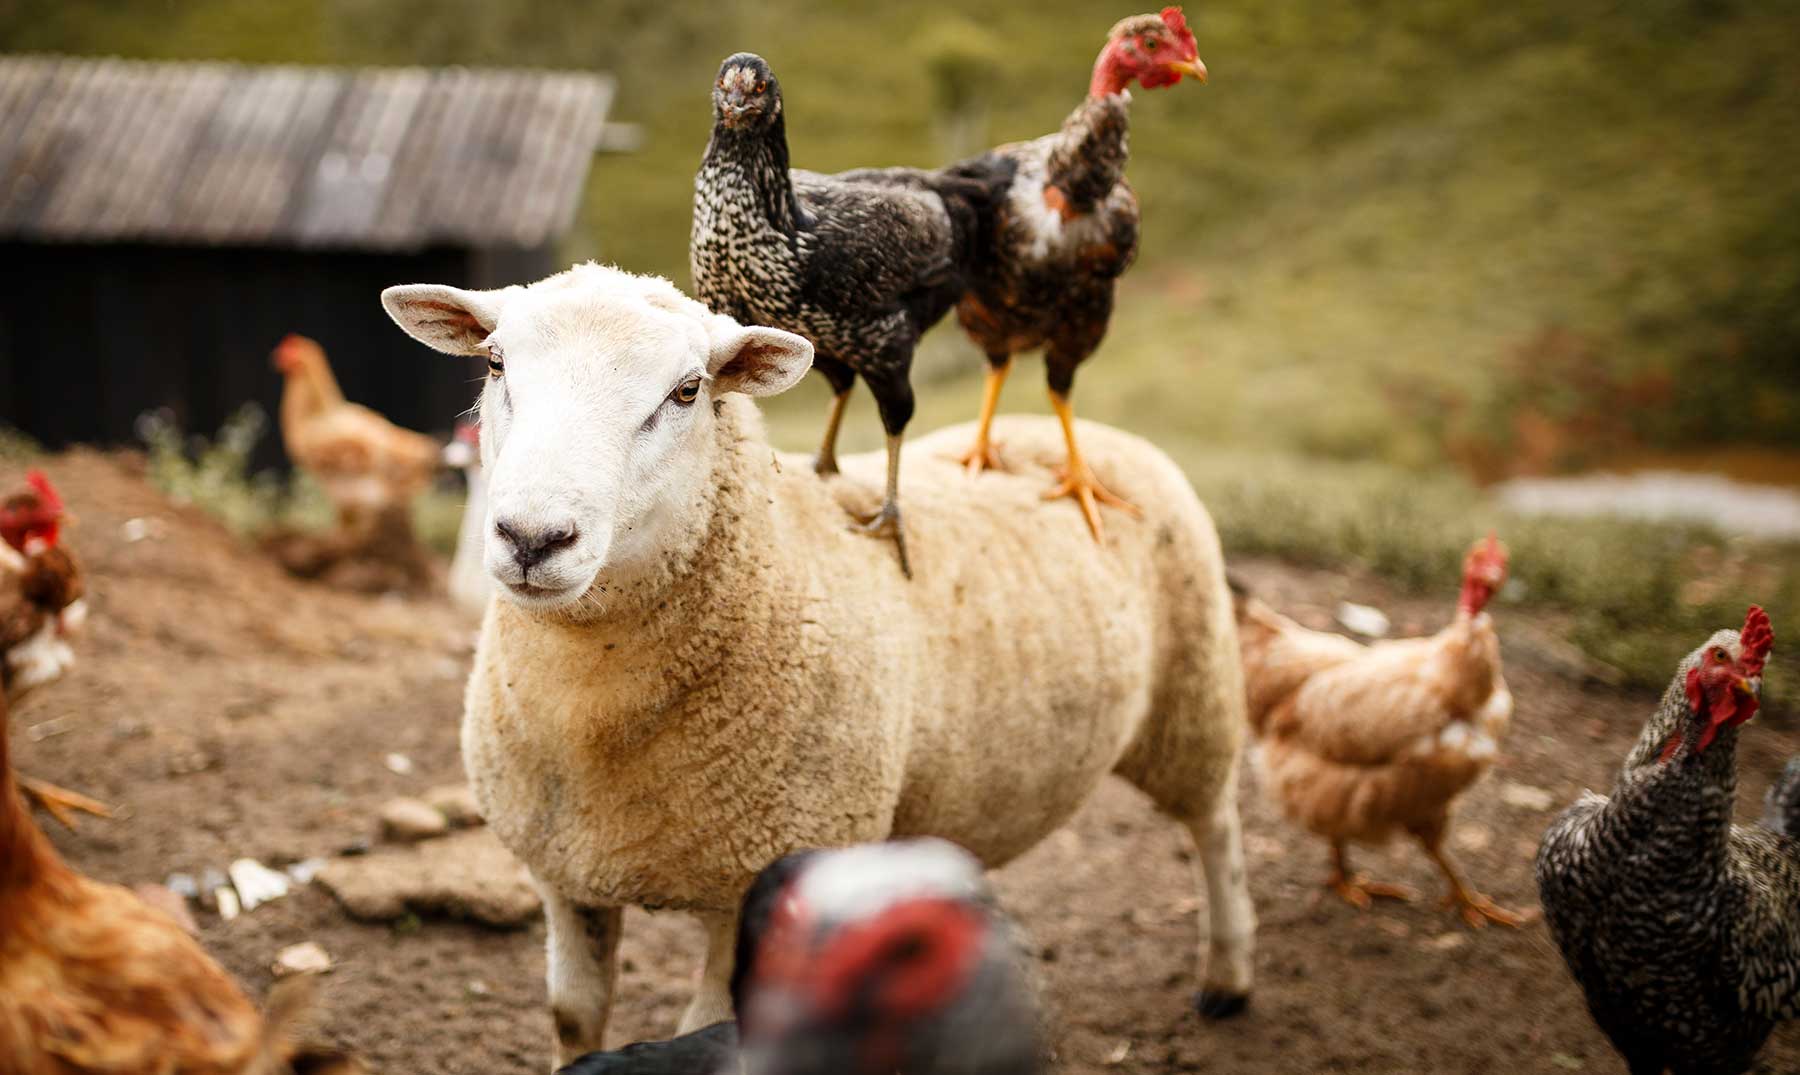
x=696, y=667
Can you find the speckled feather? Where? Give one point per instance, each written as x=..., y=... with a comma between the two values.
x=1682, y=929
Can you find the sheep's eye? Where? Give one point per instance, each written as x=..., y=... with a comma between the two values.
x=496, y=363
x=686, y=392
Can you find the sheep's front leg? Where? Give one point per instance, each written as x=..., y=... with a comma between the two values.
x=1225, y=988
x=582, y=968
x=712, y=1002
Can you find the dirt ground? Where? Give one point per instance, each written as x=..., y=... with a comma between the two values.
x=230, y=711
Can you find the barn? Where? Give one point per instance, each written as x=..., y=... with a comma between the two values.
x=162, y=225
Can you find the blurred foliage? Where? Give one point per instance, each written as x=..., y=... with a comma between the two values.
x=1639, y=595
x=16, y=447
x=1401, y=229
x=213, y=474
x=1393, y=233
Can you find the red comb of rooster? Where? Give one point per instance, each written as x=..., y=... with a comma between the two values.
x=1756, y=639
x=1176, y=22
x=46, y=492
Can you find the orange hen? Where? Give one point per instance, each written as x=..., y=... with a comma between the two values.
x=365, y=463
x=1359, y=743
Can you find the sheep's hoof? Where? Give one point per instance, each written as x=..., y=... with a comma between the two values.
x=1215, y=1003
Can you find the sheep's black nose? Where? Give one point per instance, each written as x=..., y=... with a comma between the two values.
x=531, y=546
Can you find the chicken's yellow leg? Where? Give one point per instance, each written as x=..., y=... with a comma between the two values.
x=826, y=463
x=1477, y=910
x=1356, y=890
x=61, y=802
x=982, y=454
x=1078, y=481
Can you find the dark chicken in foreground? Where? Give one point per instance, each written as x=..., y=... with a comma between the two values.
x=865, y=961
x=1682, y=929
x=860, y=263
x=1065, y=231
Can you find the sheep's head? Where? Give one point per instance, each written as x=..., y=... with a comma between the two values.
x=597, y=415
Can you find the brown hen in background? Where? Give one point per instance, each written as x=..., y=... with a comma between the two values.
x=1361, y=743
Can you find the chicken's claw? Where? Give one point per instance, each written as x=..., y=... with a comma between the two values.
x=1361, y=893
x=61, y=803
x=1077, y=481
x=1477, y=910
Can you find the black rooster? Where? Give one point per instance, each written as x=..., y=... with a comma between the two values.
x=1682, y=929
x=860, y=263
x=863, y=961
x=1063, y=234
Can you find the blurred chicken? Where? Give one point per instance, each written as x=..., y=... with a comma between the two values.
x=863, y=961
x=1360, y=743
x=365, y=463
x=94, y=980
x=40, y=605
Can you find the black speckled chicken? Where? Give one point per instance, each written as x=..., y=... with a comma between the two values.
x=862, y=961
x=1682, y=929
x=1065, y=231
x=860, y=263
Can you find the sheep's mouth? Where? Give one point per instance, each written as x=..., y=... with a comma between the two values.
x=536, y=593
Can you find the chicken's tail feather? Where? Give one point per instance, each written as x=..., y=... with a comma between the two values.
x=1781, y=806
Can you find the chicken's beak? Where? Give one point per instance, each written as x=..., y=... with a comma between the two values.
x=1749, y=688
x=1193, y=69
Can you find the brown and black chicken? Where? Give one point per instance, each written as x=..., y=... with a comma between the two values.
x=41, y=603
x=860, y=263
x=863, y=961
x=1682, y=929
x=1065, y=231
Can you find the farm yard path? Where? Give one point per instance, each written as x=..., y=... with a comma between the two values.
x=230, y=712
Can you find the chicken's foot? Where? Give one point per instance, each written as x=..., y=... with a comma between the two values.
x=1078, y=481
x=1358, y=891
x=886, y=522
x=1471, y=906
x=984, y=454
x=61, y=803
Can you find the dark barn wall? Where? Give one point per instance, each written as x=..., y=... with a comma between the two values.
x=93, y=336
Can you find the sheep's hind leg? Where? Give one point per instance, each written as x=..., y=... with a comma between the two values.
x=1231, y=941
x=582, y=970
x=712, y=1003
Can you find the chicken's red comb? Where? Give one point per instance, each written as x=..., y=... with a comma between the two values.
x=45, y=491
x=1176, y=22
x=1756, y=640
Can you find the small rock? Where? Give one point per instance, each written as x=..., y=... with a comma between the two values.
x=49, y=729
x=1393, y=927
x=1363, y=620
x=1447, y=942
x=408, y=821
x=1526, y=797
x=1118, y=1054
x=211, y=881
x=256, y=884
x=169, y=902
x=227, y=902
x=477, y=988
x=183, y=885
x=463, y=875
x=302, y=872
x=398, y=763
x=457, y=803
x=304, y=958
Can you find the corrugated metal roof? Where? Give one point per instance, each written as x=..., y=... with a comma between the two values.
x=107, y=150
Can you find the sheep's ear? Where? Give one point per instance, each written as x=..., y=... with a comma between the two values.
x=445, y=318
x=754, y=360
